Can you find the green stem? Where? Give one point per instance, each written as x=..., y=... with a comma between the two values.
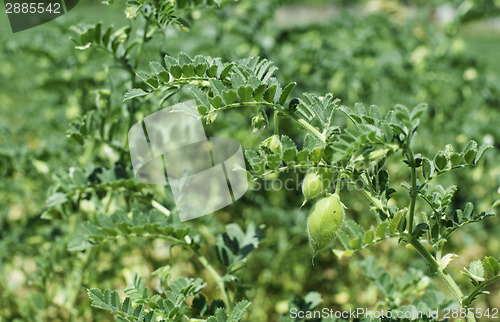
x=193, y=80
x=217, y=278
x=143, y=41
x=133, y=104
x=431, y=261
x=110, y=199
x=376, y=202
x=309, y=127
x=276, y=122
x=160, y=208
x=339, y=180
x=445, y=276
x=119, y=60
x=244, y=104
x=185, y=317
x=73, y=296
x=470, y=298
x=297, y=166
x=302, y=122
x=426, y=182
x=429, y=203
x=413, y=192
x=439, y=250
x=171, y=239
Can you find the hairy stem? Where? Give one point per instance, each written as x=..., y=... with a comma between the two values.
x=309, y=127
x=276, y=124
x=426, y=182
x=436, y=267
x=141, y=45
x=478, y=289
x=299, y=166
x=413, y=192
x=301, y=121
x=339, y=181
x=111, y=194
x=133, y=105
x=431, y=261
x=217, y=278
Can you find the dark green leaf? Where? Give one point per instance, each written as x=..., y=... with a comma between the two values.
x=491, y=265
x=245, y=93
x=427, y=168
x=440, y=161
x=176, y=71
x=286, y=91
x=482, y=149
x=420, y=229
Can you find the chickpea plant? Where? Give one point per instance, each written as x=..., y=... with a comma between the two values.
x=355, y=152
x=333, y=155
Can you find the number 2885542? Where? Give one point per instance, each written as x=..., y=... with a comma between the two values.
x=33, y=8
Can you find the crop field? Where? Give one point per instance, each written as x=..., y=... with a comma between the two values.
x=251, y=160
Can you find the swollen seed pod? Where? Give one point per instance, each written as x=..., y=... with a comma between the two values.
x=324, y=221
x=314, y=184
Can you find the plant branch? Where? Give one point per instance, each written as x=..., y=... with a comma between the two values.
x=339, y=181
x=429, y=203
x=413, y=192
x=297, y=166
x=426, y=182
x=431, y=261
x=308, y=127
x=301, y=121
x=216, y=277
x=276, y=122
x=442, y=272
x=143, y=41
x=467, y=301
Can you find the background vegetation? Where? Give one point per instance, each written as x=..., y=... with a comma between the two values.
x=55, y=176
